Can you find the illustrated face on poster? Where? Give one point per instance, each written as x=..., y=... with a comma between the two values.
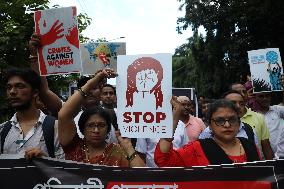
x=144, y=95
x=146, y=80
x=144, y=76
x=266, y=69
x=100, y=55
x=59, y=51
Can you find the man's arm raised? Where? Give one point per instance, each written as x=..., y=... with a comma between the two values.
x=50, y=99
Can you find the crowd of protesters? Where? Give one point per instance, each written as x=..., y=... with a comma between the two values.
x=238, y=127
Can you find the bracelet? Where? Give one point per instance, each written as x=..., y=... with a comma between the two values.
x=132, y=156
x=33, y=57
x=82, y=93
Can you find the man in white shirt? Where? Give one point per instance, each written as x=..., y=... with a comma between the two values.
x=280, y=146
x=273, y=115
x=26, y=134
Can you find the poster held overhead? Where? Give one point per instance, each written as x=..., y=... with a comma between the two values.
x=59, y=51
x=144, y=90
x=266, y=69
x=101, y=55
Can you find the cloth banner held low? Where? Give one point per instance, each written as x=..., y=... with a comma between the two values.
x=51, y=173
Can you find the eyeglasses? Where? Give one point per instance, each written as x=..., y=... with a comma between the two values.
x=220, y=121
x=99, y=126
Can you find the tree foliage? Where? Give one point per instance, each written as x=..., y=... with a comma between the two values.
x=232, y=28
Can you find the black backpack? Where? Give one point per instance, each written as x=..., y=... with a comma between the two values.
x=48, y=134
x=249, y=132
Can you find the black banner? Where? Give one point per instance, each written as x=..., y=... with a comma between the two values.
x=49, y=173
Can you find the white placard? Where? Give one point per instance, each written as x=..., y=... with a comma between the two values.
x=266, y=69
x=144, y=90
x=59, y=51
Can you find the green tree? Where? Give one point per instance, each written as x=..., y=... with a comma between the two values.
x=16, y=23
x=232, y=28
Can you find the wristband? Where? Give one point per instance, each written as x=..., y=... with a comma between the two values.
x=132, y=156
x=82, y=93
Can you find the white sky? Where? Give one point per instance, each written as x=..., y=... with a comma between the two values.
x=149, y=26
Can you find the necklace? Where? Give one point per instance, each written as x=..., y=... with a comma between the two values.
x=87, y=154
x=235, y=159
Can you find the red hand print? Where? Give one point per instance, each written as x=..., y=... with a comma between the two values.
x=53, y=34
x=72, y=36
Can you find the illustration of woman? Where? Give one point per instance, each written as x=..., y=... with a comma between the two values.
x=275, y=77
x=144, y=75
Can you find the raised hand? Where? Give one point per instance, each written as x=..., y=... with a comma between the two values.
x=73, y=31
x=125, y=143
x=103, y=74
x=99, y=79
x=177, y=108
x=34, y=43
x=53, y=34
x=109, y=73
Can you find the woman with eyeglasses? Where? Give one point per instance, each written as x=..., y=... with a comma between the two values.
x=223, y=148
x=95, y=124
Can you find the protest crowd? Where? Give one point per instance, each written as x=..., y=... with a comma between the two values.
x=240, y=126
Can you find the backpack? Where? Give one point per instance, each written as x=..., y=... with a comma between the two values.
x=249, y=132
x=48, y=134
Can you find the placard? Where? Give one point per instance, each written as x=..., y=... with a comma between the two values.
x=59, y=51
x=144, y=90
x=266, y=69
x=100, y=55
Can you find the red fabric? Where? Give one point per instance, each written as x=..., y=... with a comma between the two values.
x=258, y=152
x=221, y=184
x=189, y=155
x=238, y=159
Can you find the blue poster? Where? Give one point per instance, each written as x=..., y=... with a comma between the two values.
x=100, y=55
x=266, y=69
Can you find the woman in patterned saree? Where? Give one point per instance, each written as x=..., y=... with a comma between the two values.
x=95, y=124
